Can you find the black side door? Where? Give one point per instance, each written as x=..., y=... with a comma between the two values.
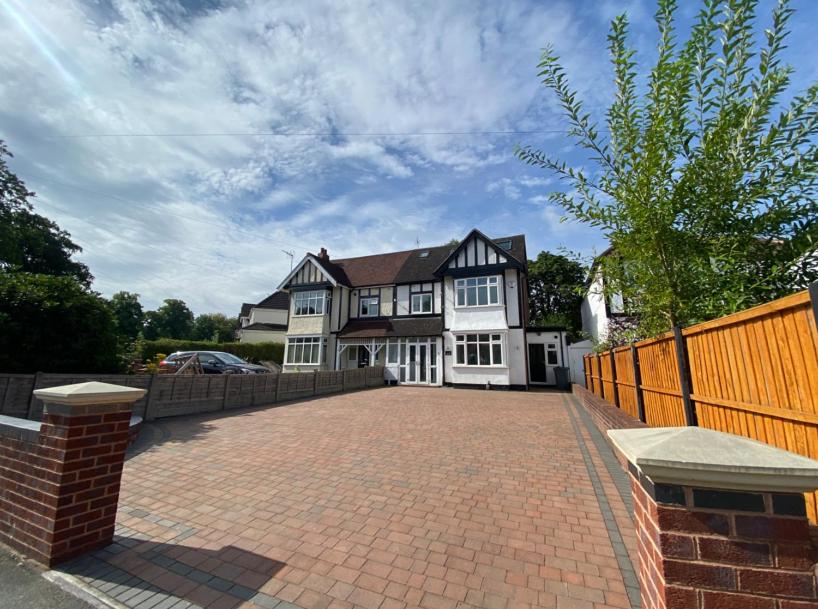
x=536, y=363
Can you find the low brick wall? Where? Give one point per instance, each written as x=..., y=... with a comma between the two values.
x=59, y=479
x=604, y=415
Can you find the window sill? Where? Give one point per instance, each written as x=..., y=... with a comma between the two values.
x=486, y=306
x=479, y=366
x=311, y=315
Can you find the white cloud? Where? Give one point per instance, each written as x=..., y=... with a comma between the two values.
x=205, y=218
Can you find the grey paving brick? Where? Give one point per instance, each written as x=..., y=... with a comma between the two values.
x=265, y=600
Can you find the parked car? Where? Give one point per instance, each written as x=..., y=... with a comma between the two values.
x=213, y=362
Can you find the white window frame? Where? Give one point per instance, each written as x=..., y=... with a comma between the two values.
x=464, y=285
x=421, y=296
x=492, y=339
x=377, y=308
x=316, y=343
x=310, y=297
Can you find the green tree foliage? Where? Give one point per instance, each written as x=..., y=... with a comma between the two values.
x=54, y=324
x=706, y=184
x=29, y=242
x=128, y=314
x=554, y=285
x=172, y=320
x=214, y=327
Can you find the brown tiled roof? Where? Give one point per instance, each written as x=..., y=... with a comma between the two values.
x=422, y=326
x=403, y=267
x=376, y=269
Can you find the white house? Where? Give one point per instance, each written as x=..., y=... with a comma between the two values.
x=452, y=314
x=265, y=321
x=598, y=309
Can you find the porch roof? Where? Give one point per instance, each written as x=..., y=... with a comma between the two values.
x=423, y=326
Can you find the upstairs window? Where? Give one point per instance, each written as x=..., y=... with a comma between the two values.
x=477, y=291
x=368, y=306
x=421, y=303
x=313, y=302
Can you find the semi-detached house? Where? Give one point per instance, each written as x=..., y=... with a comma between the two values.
x=453, y=314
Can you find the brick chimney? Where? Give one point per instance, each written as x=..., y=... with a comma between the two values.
x=323, y=255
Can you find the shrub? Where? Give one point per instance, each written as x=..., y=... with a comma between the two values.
x=252, y=352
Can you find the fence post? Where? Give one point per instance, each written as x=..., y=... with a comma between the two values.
x=684, y=376
x=813, y=295
x=637, y=381
x=315, y=382
x=226, y=390
x=601, y=377
x=613, y=378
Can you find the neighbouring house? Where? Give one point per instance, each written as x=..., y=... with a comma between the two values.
x=600, y=309
x=452, y=314
x=266, y=321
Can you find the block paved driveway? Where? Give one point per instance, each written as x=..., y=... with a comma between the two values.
x=381, y=499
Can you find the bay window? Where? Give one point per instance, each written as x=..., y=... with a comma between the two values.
x=312, y=302
x=304, y=350
x=479, y=349
x=477, y=291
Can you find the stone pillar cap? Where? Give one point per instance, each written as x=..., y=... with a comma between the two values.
x=693, y=456
x=92, y=392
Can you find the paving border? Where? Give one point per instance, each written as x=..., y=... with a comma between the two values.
x=623, y=559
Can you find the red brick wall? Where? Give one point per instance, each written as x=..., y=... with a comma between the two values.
x=692, y=558
x=59, y=493
x=605, y=416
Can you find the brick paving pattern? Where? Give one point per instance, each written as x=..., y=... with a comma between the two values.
x=390, y=498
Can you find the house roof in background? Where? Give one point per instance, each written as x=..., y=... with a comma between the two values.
x=265, y=327
x=276, y=300
x=245, y=309
x=423, y=326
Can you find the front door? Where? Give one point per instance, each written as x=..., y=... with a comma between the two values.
x=419, y=365
x=536, y=363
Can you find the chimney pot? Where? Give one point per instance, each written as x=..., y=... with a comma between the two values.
x=323, y=255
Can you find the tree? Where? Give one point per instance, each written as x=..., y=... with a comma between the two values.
x=54, y=324
x=215, y=327
x=172, y=320
x=554, y=283
x=31, y=243
x=705, y=185
x=128, y=314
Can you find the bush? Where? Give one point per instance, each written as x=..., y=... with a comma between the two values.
x=54, y=324
x=252, y=352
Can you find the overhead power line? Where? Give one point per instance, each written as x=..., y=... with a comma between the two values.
x=307, y=134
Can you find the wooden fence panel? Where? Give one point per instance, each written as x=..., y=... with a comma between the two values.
x=329, y=381
x=606, y=374
x=596, y=380
x=660, y=382
x=293, y=385
x=173, y=395
x=755, y=374
x=15, y=394
x=625, y=384
x=355, y=378
x=586, y=366
x=55, y=380
x=374, y=376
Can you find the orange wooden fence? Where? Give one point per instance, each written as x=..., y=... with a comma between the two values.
x=753, y=373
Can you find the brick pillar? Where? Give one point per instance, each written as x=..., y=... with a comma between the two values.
x=721, y=520
x=60, y=484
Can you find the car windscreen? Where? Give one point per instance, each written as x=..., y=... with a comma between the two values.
x=229, y=358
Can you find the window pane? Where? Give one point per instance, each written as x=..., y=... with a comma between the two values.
x=482, y=280
x=484, y=337
x=427, y=303
x=485, y=354
x=482, y=296
x=496, y=337
x=471, y=353
x=461, y=354
x=392, y=353
x=461, y=297
x=472, y=338
x=498, y=354
x=461, y=338
x=493, y=299
x=299, y=352
x=471, y=297
x=552, y=358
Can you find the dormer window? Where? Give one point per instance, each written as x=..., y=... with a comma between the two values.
x=504, y=244
x=423, y=255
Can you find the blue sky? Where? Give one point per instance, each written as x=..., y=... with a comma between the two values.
x=137, y=124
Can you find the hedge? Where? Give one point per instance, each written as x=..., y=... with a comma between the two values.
x=253, y=352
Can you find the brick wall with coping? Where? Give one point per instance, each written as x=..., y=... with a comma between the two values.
x=604, y=415
x=712, y=549
x=59, y=480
